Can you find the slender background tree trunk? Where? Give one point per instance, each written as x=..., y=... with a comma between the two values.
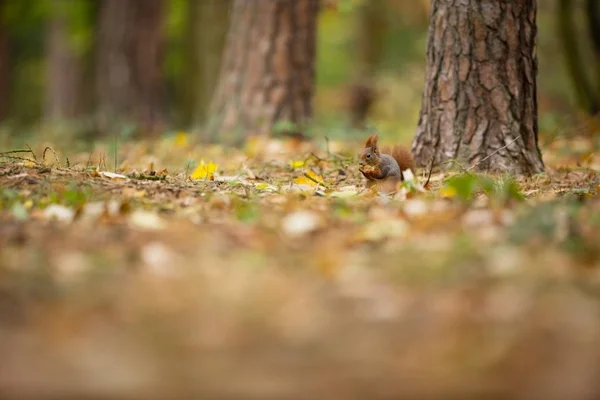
x=479, y=104
x=268, y=68
x=593, y=14
x=130, y=82
x=371, y=22
x=587, y=95
x=64, y=71
x=208, y=21
x=4, y=65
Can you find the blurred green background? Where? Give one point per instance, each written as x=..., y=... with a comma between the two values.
x=377, y=44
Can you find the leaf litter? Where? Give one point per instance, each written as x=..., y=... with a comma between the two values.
x=272, y=271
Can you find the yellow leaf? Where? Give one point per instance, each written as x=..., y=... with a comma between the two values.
x=265, y=186
x=296, y=163
x=204, y=171
x=448, y=191
x=309, y=178
x=181, y=139
x=29, y=164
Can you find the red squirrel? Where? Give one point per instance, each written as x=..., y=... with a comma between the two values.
x=387, y=165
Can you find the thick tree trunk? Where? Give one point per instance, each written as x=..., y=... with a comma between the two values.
x=268, y=69
x=130, y=82
x=64, y=70
x=207, y=32
x=4, y=65
x=479, y=104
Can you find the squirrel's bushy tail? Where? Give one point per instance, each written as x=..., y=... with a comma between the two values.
x=402, y=156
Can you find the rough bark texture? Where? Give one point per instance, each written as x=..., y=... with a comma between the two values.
x=64, y=71
x=479, y=104
x=267, y=74
x=207, y=32
x=130, y=52
x=4, y=66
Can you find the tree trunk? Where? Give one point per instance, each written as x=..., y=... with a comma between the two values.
x=587, y=97
x=593, y=13
x=479, y=105
x=4, y=65
x=372, y=27
x=130, y=83
x=64, y=71
x=268, y=67
x=207, y=32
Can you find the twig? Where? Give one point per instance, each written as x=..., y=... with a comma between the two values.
x=20, y=158
x=313, y=155
x=115, y=170
x=14, y=152
x=488, y=156
x=453, y=161
x=32, y=153
x=53, y=152
x=430, y=171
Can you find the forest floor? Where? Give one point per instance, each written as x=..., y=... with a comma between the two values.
x=270, y=273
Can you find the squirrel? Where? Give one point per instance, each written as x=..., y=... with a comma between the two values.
x=385, y=165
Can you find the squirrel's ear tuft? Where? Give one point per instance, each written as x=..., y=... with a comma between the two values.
x=372, y=141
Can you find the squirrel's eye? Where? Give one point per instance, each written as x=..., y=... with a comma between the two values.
x=369, y=155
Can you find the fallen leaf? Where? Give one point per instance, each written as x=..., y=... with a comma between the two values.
x=60, y=213
x=309, y=178
x=448, y=191
x=300, y=223
x=181, y=139
x=414, y=207
x=19, y=211
x=265, y=186
x=344, y=192
x=385, y=228
x=112, y=175
x=204, y=171
x=146, y=220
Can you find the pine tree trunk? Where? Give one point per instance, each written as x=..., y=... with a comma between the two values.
x=4, y=66
x=130, y=82
x=207, y=32
x=64, y=71
x=479, y=105
x=268, y=68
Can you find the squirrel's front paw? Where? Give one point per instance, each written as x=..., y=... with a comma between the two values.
x=367, y=169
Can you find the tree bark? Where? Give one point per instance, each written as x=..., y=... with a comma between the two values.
x=479, y=104
x=64, y=69
x=207, y=32
x=268, y=68
x=587, y=96
x=4, y=65
x=130, y=83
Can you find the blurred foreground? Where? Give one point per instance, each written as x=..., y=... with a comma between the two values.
x=281, y=278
